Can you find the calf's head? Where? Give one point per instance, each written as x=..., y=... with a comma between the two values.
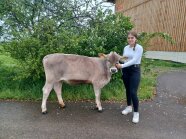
x=112, y=58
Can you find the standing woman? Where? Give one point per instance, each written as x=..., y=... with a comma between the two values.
x=132, y=74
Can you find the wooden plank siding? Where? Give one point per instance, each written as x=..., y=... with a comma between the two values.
x=167, y=16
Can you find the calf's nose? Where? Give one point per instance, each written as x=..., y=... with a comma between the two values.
x=113, y=70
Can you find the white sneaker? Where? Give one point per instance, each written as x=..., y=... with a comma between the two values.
x=127, y=110
x=135, y=118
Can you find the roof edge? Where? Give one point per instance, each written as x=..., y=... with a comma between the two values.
x=112, y=1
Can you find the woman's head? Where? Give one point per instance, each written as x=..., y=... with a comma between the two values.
x=132, y=38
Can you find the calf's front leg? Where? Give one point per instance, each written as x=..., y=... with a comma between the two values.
x=97, y=92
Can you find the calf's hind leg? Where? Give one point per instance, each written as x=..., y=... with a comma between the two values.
x=46, y=91
x=57, y=88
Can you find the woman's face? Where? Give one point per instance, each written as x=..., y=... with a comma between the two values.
x=131, y=39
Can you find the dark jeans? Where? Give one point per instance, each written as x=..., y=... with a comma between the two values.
x=131, y=79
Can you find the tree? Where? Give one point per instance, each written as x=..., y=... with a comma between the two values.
x=23, y=15
x=40, y=27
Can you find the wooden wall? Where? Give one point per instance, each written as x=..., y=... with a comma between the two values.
x=167, y=16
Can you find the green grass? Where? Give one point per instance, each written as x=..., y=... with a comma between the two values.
x=114, y=91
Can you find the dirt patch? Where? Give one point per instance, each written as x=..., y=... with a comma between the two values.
x=182, y=101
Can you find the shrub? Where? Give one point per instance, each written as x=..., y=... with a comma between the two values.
x=109, y=34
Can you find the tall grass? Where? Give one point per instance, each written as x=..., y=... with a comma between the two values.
x=114, y=91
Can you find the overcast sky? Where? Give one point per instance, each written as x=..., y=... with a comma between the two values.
x=108, y=4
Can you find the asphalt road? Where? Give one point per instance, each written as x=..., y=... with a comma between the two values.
x=162, y=118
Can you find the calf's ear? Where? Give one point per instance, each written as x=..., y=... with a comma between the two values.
x=123, y=58
x=101, y=55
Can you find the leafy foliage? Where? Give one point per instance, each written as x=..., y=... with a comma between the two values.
x=144, y=39
x=38, y=28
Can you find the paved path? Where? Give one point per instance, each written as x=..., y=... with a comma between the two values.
x=173, y=56
x=162, y=118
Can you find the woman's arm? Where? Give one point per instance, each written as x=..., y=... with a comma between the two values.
x=137, y=55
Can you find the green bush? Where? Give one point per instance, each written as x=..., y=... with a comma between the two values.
x=107, y=35
x=29, y=51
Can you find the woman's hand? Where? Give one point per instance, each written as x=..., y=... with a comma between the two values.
x=118, y=66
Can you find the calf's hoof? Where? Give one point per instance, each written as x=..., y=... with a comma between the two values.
x=44, y=112
x=95, y=108
x=62, y=106
x=100, y=111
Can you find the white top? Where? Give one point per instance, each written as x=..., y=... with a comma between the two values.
x=133, y=56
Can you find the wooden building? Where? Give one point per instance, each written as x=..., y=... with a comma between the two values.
x=167, y=16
